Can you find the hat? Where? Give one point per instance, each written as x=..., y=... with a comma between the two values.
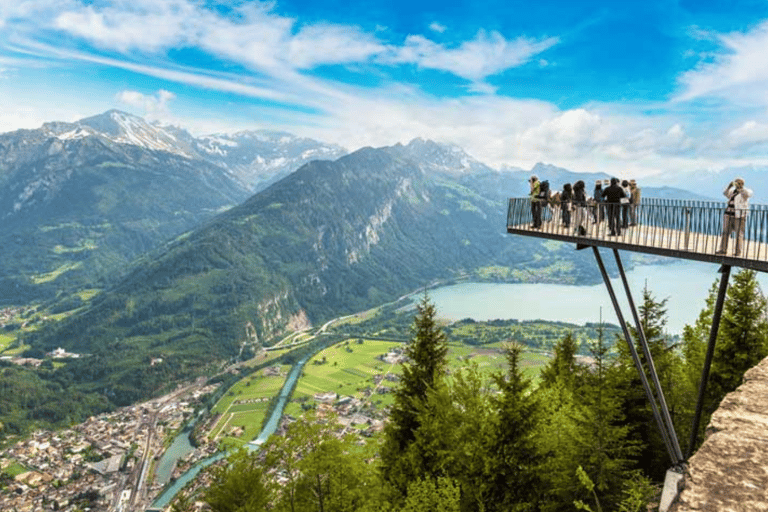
x=606, y=182
x=632, y=182
x=598, y=182
x=533, y=178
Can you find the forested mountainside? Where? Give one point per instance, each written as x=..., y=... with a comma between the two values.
x=79, y=201
x=330, y=239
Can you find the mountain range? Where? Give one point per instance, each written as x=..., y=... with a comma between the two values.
x=79, y=201
x=196, y=269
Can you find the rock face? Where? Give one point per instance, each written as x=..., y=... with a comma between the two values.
x=729, y=473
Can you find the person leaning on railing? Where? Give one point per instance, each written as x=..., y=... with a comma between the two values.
x=634, y=200
x=535, y=202
x=735, y=217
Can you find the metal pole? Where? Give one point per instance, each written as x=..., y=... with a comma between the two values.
x=633, y=353
x=725, y=270
x=651, y=366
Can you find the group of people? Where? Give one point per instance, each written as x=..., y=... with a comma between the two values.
x=617, y=202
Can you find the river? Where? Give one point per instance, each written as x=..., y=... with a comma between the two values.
x=269, y=428
x=685, y=285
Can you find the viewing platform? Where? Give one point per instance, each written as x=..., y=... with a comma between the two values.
x=666, y=227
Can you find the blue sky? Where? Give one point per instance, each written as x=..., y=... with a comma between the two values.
x=640, y=88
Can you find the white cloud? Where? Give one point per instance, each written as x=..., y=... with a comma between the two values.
x=138, y=25
x=437, y=27
x=154, y=106
x=263, y=40
x=738, y=71
x=749, y=133
x=331, y=44
x=486, y=55
x=615, y=138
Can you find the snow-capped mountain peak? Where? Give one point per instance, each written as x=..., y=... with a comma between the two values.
x=125, y=128
x=440, y=157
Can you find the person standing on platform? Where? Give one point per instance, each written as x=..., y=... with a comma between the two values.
x=735, y=217
x=613, y=195
x=598, y=213
x=625, y=204
x=634, y=202
x=579, y=207
x=535, y=202
x=566, y=201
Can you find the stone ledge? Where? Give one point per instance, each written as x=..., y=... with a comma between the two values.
x=729, y=472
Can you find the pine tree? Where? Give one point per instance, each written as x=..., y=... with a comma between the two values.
x=514, y=458
x=563, y=366
x=653, y=458
x=604, y=447
x=238, y=486
x=743, y=340
x=424, y=368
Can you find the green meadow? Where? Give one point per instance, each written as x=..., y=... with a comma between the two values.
x=348, y=368
x=244, y=407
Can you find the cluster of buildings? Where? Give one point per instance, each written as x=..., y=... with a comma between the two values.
x=97, y=465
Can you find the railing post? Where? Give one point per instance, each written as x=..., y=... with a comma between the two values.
x=687, y=225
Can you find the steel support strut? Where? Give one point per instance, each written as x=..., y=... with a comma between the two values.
x=635, y=357
x=725, y=272
x=670, y=428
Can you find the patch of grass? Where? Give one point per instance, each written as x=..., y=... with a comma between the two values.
x=246, y=403
x=6, y=340
x=15, y=468
x=51, y=276
x=88, y=294
x=85, y=245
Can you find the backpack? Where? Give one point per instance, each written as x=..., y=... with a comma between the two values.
x=544, y=190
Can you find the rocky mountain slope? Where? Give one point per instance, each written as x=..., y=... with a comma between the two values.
x=330, y=239
x=79, y=201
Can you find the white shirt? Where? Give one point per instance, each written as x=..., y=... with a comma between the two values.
x=741, y=201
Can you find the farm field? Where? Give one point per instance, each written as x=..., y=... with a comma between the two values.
x=244, y=406
x=348, y=369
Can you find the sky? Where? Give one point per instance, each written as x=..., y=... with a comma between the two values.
x=633, y=88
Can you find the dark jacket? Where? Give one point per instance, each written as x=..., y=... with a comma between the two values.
x=614, y=193
x=579, y=197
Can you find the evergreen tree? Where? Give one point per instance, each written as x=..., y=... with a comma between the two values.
x=322, y=471
x=743, y=340
x=604, y=447
x=455, y=437
x=431, y=495
x=514, y=458
x=653, y=457
x=556, y=434
x=238, y=486
x=423, y=370
x=563, y=366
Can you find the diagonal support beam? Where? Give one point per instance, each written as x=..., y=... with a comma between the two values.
x=651, y=367
x=725, y=272
x=635, y=357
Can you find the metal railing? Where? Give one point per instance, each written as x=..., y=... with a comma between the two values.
x=676, y=225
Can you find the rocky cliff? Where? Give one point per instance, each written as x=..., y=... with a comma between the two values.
x=730, y=470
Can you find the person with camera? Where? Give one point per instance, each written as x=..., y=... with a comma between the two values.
x=735, y=217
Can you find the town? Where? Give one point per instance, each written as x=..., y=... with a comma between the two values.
x=109, y=462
